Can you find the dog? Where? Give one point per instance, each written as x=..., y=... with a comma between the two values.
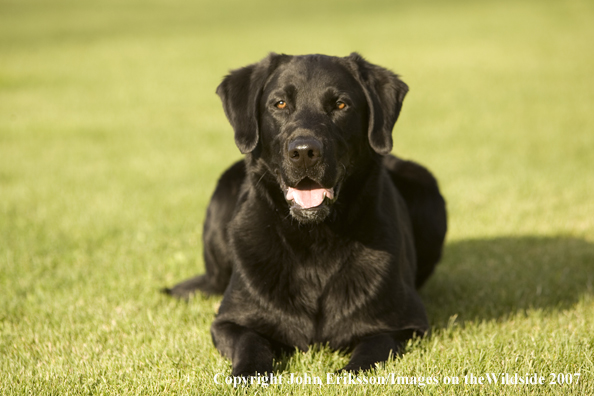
x=319, y=235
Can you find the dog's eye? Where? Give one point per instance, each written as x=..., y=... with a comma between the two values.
x=340, y=105
x=281, y=104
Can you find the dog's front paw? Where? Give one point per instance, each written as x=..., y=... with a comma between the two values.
x=354, y=368
x=251, y=370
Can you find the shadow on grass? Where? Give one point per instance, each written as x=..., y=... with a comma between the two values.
x=488, y=279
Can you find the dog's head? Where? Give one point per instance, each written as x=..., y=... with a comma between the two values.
x=308, y=120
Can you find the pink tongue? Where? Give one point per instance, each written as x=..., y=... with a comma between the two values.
x=309, y=198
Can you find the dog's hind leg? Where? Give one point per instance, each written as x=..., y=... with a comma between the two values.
x=217, y=260
x=427, y=211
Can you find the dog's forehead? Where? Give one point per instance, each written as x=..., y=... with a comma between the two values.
x=311, y=72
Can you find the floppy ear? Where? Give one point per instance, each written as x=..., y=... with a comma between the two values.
x=384, y=92
x=240, y=93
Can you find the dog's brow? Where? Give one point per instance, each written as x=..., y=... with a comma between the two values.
x=331, y=93
x=288, y=91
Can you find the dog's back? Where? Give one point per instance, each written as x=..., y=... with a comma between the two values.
x=427, y=211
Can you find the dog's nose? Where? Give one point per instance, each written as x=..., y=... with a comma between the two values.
x=304, y=151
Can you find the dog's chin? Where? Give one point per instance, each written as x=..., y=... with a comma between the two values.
x=310, y=215
x=309, y=202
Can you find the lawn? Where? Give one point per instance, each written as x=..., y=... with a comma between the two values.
x=112, y=139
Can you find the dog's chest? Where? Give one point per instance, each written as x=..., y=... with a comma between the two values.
x=307, y=296
x=329, y=289
x=313, y=285
x=310, y=279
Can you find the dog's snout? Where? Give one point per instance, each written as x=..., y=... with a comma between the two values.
x=304, y=151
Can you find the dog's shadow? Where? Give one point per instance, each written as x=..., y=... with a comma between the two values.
x=486, y=279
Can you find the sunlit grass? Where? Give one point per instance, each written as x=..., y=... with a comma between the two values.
x=111, y=140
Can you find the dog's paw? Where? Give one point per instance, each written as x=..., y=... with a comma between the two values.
x=350, y=369
x=356, y=368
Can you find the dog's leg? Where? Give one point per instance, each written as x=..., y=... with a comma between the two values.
x=427, y=211
x=249, y=352
x=371, y=350
x=187, y=288
x=377, y=349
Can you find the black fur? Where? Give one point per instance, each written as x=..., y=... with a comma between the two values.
x=343, y=272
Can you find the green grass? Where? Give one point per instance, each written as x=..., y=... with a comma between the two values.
x=111, y=140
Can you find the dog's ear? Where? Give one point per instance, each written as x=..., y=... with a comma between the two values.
x=385, y=93
x=240, y=93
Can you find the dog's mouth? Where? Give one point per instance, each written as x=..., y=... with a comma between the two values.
x=309, y=194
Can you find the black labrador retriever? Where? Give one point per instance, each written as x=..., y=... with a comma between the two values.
x=318, y=235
